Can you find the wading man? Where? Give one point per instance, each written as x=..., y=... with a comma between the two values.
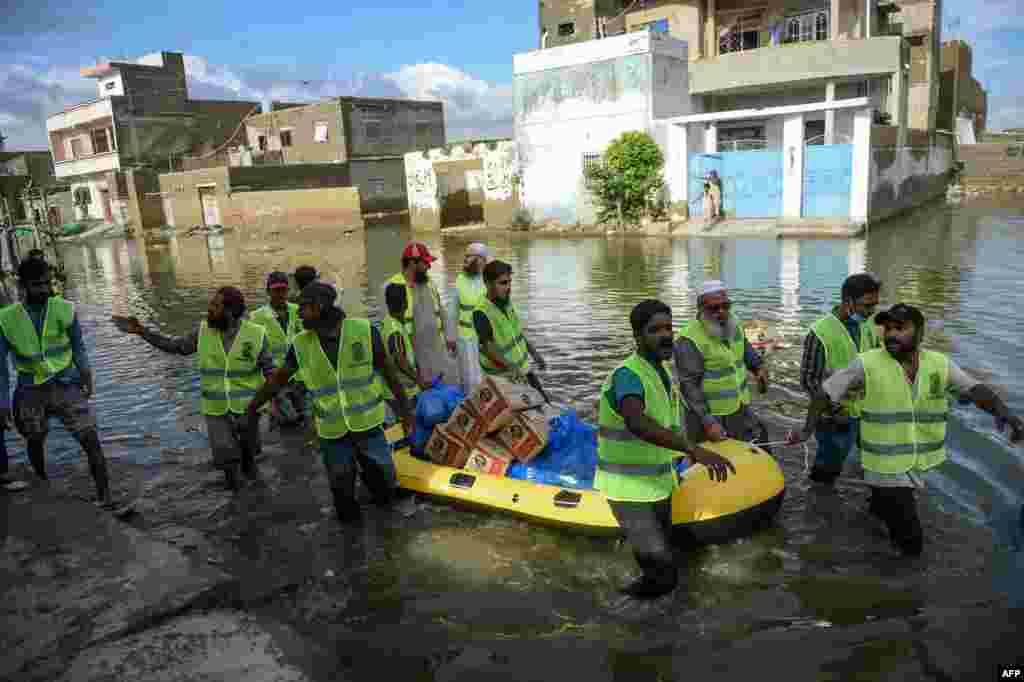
x=43, y=335
x=424, y=317
x=282, y=323
x=903, y=417
x=469, y=293
x=712, y=357
x=340, y=357
x=504, y=349
x=638, y=434
x=234, y=359
x=832, y=344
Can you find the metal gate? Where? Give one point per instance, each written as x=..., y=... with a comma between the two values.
x=751, y=182
x=828, y=175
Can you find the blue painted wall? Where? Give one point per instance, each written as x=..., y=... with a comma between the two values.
x=827, y=180
x=751, y=182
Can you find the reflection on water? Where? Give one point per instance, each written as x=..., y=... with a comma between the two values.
x=961, y=266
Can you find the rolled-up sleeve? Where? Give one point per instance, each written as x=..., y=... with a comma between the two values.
x=690, y=370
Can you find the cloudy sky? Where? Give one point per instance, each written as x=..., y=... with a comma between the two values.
x=259, y=50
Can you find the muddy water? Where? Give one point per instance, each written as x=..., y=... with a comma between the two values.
x=452, y=575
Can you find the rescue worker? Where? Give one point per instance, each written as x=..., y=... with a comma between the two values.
x=469, y=292
x=504, y=349
x=282, y=323
x=424, y=317
x=831, y=345
x=7, y=482
x=304, y=276
x=339, y=357
x=233, y=360
x=712, y=357
x=903, y=417
x=638, y=434
x=398, y=345
x=44, y=335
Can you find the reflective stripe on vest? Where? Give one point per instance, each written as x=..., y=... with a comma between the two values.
x=347, y=398
x=389, y=327
x=840, y=350
x=897, y=432
x=508, y=337
x=278, y=339
x=472, y=292
x=630, y=469
x=724, y=385
x=399, y=278
x=42, y=357
x=229, y=381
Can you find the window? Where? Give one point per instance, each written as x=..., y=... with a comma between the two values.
x=320, y=131
x=567, y=29
x=590, y=161
x=110, y=85
x=100, y=142
x=261, y=142
x=82, y=196
x=371, y=128
x=77, y=148
x=374, y=186
x=740, y=33
x=807, y=27
x=286, y=138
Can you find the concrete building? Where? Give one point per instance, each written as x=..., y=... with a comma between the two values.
x=572, y=101
x=30, y=171
x=142, y=119
x=789, y=51
x=473, y=182
x=959, y=93
x=370, y=136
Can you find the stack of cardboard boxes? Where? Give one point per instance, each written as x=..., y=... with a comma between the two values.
x=499, y=423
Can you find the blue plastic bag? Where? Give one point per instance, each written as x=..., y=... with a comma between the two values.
x=570, y=458
x=433, y=406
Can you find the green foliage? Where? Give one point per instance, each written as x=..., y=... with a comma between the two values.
x=628, y=178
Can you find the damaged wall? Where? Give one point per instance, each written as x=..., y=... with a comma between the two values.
x=492, y=181
x=902, y=178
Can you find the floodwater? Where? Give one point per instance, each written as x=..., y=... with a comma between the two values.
x=471, y=575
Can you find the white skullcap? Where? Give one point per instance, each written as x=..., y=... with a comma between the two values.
x=477, y=249
x=712, y=286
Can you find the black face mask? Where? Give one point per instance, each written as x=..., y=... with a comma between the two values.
x=421, y=277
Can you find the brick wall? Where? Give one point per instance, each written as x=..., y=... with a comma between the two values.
x=301, y=123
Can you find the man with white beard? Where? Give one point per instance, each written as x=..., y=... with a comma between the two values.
x=712, y=357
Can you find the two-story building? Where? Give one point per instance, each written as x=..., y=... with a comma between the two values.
x=143, y=120
x=960, y=94
x=369, y=136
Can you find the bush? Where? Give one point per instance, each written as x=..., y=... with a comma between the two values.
x=627, y=179
x=522, y=219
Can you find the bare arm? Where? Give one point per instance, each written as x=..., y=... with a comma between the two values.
x=181, y=345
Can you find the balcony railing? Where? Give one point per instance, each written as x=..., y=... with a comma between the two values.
x=80, y=115
x=97, y=163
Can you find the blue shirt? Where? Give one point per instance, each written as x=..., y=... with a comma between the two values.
x=626, y=382
x=69, y=375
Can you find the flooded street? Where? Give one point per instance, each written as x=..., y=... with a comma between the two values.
x=449, y=591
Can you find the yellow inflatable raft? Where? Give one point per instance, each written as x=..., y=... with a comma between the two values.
x=703, y=510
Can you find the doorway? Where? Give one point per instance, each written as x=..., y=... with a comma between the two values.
x=208, y=200
x=108, y=213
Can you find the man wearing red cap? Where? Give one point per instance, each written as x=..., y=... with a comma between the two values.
x=424, y=318
x=234, y=360
x=282, y=322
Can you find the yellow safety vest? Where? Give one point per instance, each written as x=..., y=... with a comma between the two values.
x=390, y=327
x=44, y=357
x=725, y=384
x=399, y=278
x=347, y=398
x=229, y=381
x=472, y=292
x=508, y=337
x=840, y=350
x=898, y=432
x=279, y=339
x=630, y=469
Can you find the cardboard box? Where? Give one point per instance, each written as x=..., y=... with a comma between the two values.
x=446, y=449
x=489, y=457
x=527, y=435
x=466, y=424
x=497, y=400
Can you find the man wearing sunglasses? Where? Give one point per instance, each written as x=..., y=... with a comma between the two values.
x=712, y=357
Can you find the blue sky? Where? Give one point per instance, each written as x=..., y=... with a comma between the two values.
x=460, y=53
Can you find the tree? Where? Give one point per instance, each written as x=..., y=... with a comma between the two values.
x=627, y=178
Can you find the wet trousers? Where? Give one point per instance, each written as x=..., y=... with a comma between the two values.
x=368, y=452
x=896, y=507
x=648, y=529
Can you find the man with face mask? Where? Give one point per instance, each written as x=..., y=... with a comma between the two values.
x=831, y=345
x=234, y=359
x=54, y=377
x=638, y=434
x=424, y=318
x=340, y=357
x=903, y=417
x=469, y=293
x=282, y=322
x=504, y=349
x=712, y=357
